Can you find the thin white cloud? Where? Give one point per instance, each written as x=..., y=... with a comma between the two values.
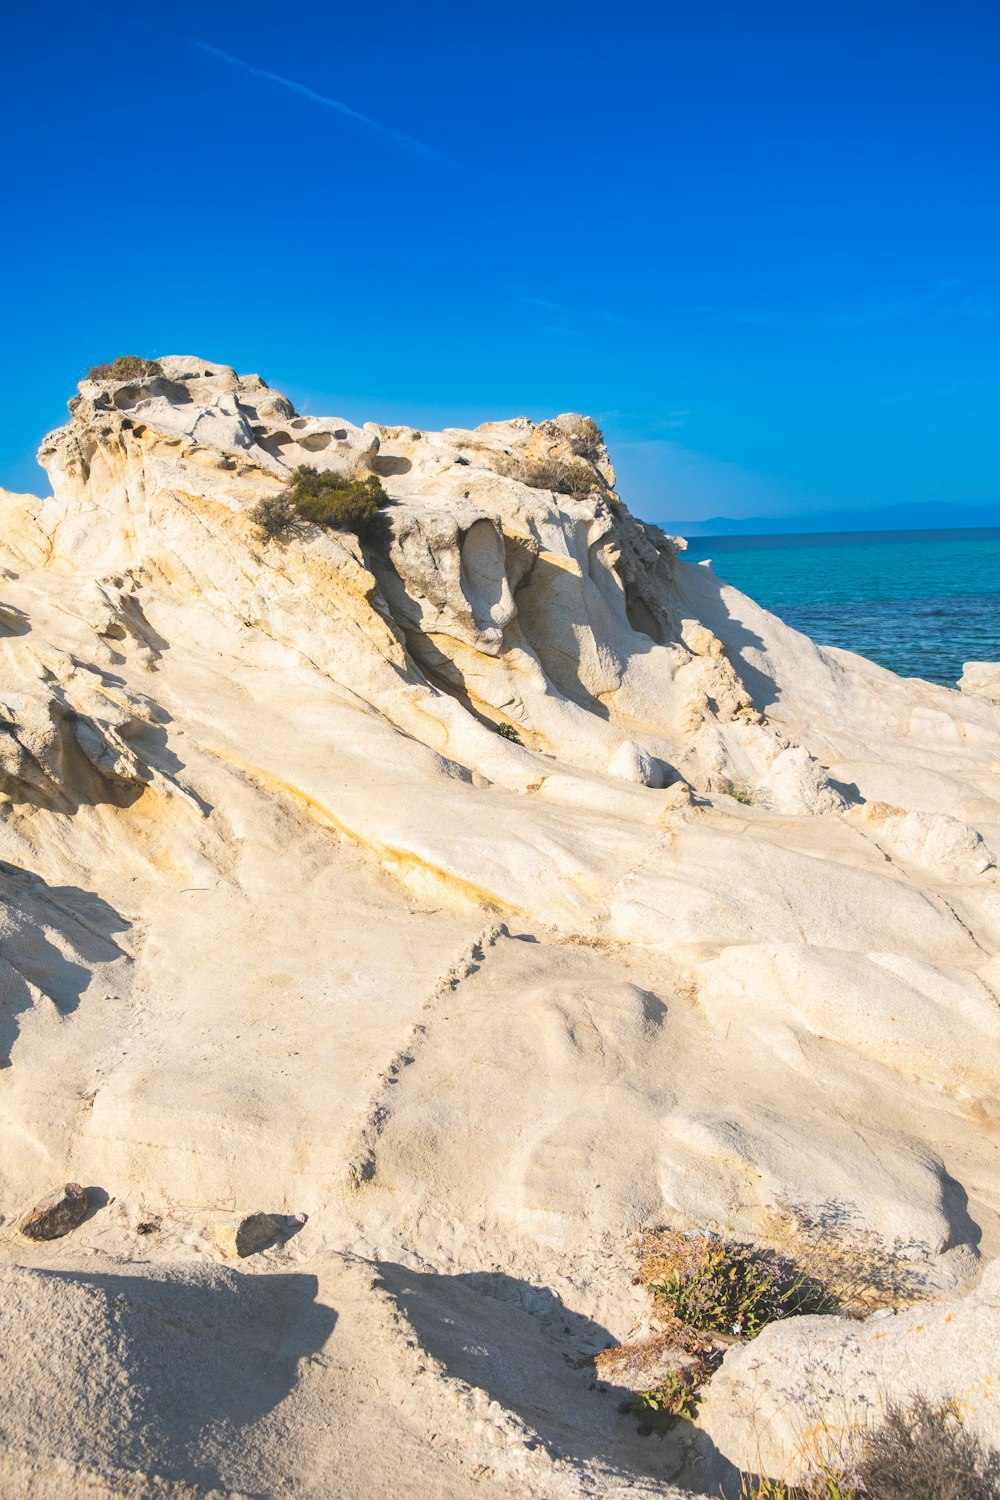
x=944, y=302
x=901, y=398
x=568, y=315
x=542, y=302
x=419, y=148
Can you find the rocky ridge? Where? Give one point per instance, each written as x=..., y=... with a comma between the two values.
x=287, y=925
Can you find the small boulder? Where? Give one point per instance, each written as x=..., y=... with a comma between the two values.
x=56, y=1214
x=981, y=678
x=798, y=785
x=632, y=763
x=246, y=1235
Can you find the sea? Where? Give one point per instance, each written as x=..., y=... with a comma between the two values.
x=918, y=602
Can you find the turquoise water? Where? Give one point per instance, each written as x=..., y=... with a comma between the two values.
x=918, y=602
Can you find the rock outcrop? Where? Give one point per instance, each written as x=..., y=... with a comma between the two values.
x=981, y=678
x=487, y=893
x=797, y=1397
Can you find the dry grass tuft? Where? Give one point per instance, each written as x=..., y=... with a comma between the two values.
x=125, y=367
x=917, y=1452
x=920, y=1452
x=563, y=476
x=588, y=440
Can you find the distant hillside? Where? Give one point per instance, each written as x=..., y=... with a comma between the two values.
x=926, y=517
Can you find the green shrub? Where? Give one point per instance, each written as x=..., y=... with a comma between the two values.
x=677, y=1395
x=508, y=732
x=275, y=517
x=338, y=502
x=125, y=367
x=341, y=503
x=723, y=1286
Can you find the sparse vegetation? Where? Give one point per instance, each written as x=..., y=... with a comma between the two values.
x=917, y=1452
x=275, y=517
x=508, y=732
x=588, y=441
x=339, y=502
x=857, y=1269
x=722, y=1286
x=563, y=476
x=125, y=367
x=710, y=1291
x=676, y=1396
x=740, y=792
x=922, y=1452
x=823, y=1487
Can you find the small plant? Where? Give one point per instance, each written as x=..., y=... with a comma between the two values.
x=823, y=1487
x=739, y=791
x=339, y=502
x=677, y=1395
x=125, y=367
x=588, y=440
x=725, y=1287
x=275, y=516
x=508, y=732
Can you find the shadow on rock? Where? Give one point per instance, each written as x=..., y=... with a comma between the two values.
x=527, y=1350
x=159, y=1372
x=704, y=590
x=50, y=938
x=13, y=621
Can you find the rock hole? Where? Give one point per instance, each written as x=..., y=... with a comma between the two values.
x=642, y=619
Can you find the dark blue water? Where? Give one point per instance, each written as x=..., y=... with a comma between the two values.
x=918, y=602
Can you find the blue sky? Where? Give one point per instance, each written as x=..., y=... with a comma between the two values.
x=759, y=243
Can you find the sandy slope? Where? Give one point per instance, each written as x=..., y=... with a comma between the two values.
x=285, y=924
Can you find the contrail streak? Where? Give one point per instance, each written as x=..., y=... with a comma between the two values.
x=335, y=104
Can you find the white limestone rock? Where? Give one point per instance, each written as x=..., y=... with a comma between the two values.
x=283, y=918
x=798, y=1395
x=981, y=678
x=797, y=784
x=632, y=763
x=933, y=841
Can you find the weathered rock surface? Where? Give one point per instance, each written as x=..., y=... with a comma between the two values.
x=284, y=918
x=56, y=1214
x=981, y=678
x=797, y=1397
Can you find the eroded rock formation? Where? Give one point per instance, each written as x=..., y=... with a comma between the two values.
x=285, y=920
